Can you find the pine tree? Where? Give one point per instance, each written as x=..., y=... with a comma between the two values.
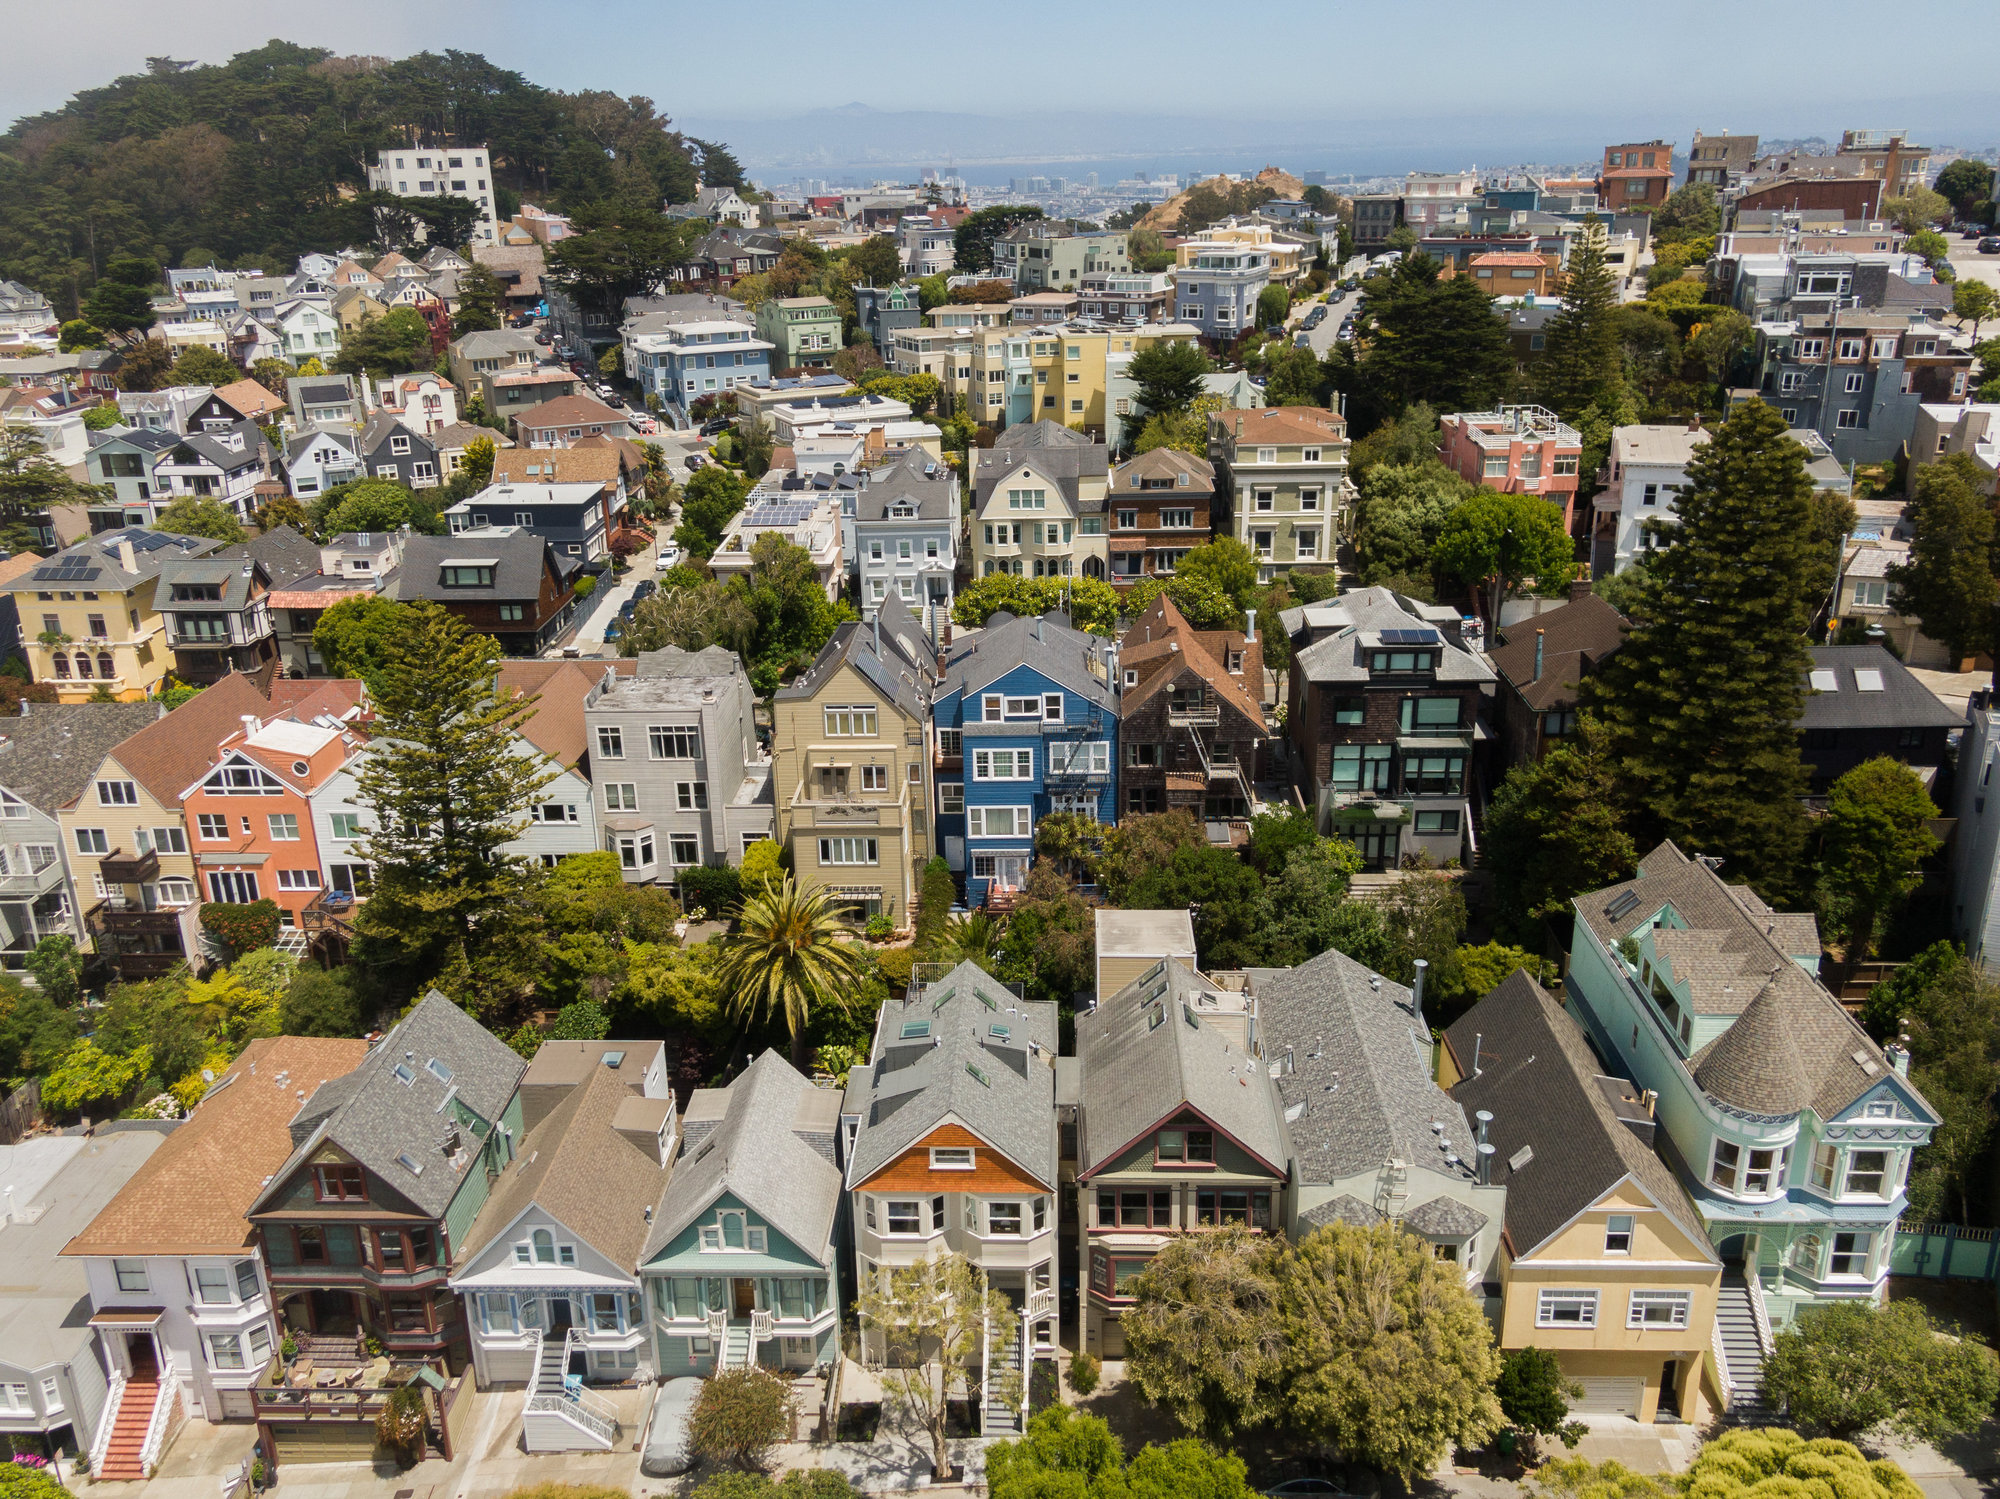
x=448, y=790
x=1701, y=705
x=1948, y=582
x=1582, y=364
x=1552, y=833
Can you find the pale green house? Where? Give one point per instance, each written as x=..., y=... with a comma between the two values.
x=805, y=332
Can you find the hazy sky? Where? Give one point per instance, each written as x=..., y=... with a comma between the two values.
x=1544, y=70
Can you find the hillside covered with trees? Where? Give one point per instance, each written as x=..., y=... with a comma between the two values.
x=262, y=158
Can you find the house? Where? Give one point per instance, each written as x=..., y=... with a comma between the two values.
x=507, y=583
x=1858, y=378
x=575, y=519
x=1515, y=450
x=1160, y=504
x=1790, y=1128
x=1516, y=273
x=1177, y=1132
x=216, y=616
x=1130, y=942
x=25, y=312
x=306, y=329
x=681, y=354
x=683, y=728
x=1216, y=287
x=614, y=464
x=565, y=819
x=1607, y=1264
x=1538, y=663
x=549, y=1269
x=1636, y=176
x=175, y=1280
x=1385, y=701
x=1045, y=255
x=1376, y=216
x=47, y=758
x=817, y=412
x=721, y=205
x=1645, y=469
x=390, y=1165
x=518, y=265
x=124, y=462
x=1038, y=499
x=951, y=1147
x=321, y=458
x=355, y=305
x=476, y=357
x=328, y=401
x=906, y=525
x=58, y=1398
x=223, y=465
x=421, y=401
x=804, y=332
x=285, y=554
x=851, y=777
x=1972, y=429
x=13, y=642
x=427, y=174
x=453, y=441
x=1283, y=479
x=1720, y=160
x=521, y=388
x=1861, y=703
x=882, y=312
x=808, y=520
x=169, y=410
x=725, y=256
x=250, y=402
x=95, y=611
x=1126, y=297
x=1191, y=716
x=1027, y=721
x=741, y=1267
x=558, y=423
x=929, y=241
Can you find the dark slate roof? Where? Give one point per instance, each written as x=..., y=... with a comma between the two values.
x=214, y=446
x=521, y=557
x=1001, y=1087
x=151, y=440
x=1359, y=1073
x=286, y=555
x=758, y=1155
x=917, y=477
x=1146, y=1053
x=1342, y=1209
x=889, y=651
x=49, y=753
x=1903, y=702
x=375, y=1116
x=233, y=575
x=344, y=440
x=383, y=425
x=1538, y=1078
x=1047, y=643
x=1358, y=620
x=324, y=394
x=1575, y=638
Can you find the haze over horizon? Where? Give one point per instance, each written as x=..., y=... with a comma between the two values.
x=1350, y=91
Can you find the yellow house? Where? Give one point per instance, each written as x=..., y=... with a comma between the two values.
x=851, y=773
x=1605, y=1261
x=88, y=618
x=1287, y=256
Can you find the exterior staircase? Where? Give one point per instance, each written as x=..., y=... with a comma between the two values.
x=737, y=1350
x=995, y=1419
x=557, y=1418
x=1742, y=1341
x=549, y=1366
x=123, y=1459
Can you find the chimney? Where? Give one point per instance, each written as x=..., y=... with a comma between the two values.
x=1899, y=1056
x=250, y=724
x=1472, y=633
x=126, y=558
x=1250, y=630
x=1694, y=422
x=1417, y=989
x=1579, y=588
x=1541, y=637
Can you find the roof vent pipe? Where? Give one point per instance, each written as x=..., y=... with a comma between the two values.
x=1478, y=1039
x=1484, y=1117
x=1485, y=1154
x=1250, y=631
x=1417, y=989
x=1541, y=637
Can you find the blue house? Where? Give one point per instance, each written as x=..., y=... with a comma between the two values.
x=697, y=346
x=1026, y=718
x=740, y=1267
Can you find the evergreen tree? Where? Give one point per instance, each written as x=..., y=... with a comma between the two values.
x=1552, y=832
x=449, y=791
x=1166, y=379
x=1582, y=361
x=1422, y=339
x=1701, y=705
x=1948, y=582
x=481, y=299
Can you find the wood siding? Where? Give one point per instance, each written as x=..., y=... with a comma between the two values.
x=991, y=1170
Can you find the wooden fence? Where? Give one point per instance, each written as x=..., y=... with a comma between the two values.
x=20, y=1111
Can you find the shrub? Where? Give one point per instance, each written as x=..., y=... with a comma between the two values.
x=895, y=964
x=400, y=1424
x=584, y=1020
x=740, y=1415
x=1083, y=1372
x=586, y=586
x=880, y=928
x=714, y=891
x=241, y=928
x=19, y=1481
x=763, y=864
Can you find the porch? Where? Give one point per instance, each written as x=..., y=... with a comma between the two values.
x=137, y=941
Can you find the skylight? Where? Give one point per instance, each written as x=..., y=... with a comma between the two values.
x=978, y=1076
x=405, y=1074
x=1825, y=679
x=409, y=1163
x=438, y=1070
x=915, y=1030
x=1000, y=1033
x=1867, y=679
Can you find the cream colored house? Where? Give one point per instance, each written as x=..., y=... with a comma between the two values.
x=1038, y=504
x=1282, y=475
x=851, y=773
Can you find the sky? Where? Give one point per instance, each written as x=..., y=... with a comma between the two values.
x=1440, y=82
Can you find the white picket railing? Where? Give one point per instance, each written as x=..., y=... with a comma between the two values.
x=1722, y=1381
x=159, y=1428
x=1765, y=1342
x=114, y=1400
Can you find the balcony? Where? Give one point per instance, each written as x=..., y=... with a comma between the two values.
x=1189, y=716
x=120, y=868
x=331, y=911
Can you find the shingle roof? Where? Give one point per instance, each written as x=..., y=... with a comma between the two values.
x=249, y=398
x=286, y=555
x=1282, y=424
x=755, y=1153
x=1444, y=1218
x=1001, y=1087
x=1161, y=644
x=1538, y=1078
x=191, y=1196
x=1896, y=699
x=597, y=464
x=167, y=755
x=1575, y=638
x=571, y=411
x=150, y=549
x=579, y=1169
x=1046, y=643
x=1164, y=463
x=555, y=724
x=377, y=1117
x=889, y=652
x=1359, y=1072
x=49, y=753
x=1362, y=616
x=1342, y=1209
x=917, y=477
x=522, y=557
x=1146, y=1052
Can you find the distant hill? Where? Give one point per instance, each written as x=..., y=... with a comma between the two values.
x=1236, y=197
x=260, y=158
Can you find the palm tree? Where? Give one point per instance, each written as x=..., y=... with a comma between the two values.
x=970, y=939
x=785, y=957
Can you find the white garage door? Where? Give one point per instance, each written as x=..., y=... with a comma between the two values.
x=1609, y=1397
x=236, y=1405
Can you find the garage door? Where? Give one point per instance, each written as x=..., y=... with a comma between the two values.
x=1111, y=1338
x=324, y=1442
x=236, y=1405
x=1609, y=1397
x=510, y=1367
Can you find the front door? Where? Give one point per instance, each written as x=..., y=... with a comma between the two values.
x=745, y=1294
x=560, y=1315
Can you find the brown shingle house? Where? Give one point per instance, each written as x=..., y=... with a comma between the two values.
x=1159, y=509
x=1190, y=716
x=1540, y=662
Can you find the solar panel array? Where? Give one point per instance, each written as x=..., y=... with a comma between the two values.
x=79, y=569
x=1409, y=637
x=780, y=512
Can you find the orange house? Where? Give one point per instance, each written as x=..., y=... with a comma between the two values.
x=1514, y=273
x=249, y=818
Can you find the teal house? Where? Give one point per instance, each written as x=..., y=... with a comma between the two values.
x=740, y=1267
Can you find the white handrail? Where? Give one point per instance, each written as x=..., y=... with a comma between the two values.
x=1722, y=1381
x=535, y=1360
x=760, y=1327
x=1765, y=1342
x=585, y=1415
x=156, y=1428
x=101, y=1443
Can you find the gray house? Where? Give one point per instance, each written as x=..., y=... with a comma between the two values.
x=393, y=451
x=906, y=537
x=124, y=460
x=1217, y=289
x=575, y=519
x=325, y=400
x=674, y=756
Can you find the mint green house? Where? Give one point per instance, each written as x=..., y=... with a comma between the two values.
x=805, y=332
x=740, y=1266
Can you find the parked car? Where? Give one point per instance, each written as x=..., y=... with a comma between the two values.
x=695, y=461
x=1990, y=245
x=543, y=338
x=666, y=1453
x=644, y=589
x=615, y=629
x=670, y=556
x=642, y=423
x=1349, y=1481
x=1302, y=340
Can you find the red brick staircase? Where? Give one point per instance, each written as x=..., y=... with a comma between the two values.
x=128, y=1427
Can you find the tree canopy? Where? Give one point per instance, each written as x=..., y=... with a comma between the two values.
x=1948, y=582
x=1420, y=338
x=1846, y=1367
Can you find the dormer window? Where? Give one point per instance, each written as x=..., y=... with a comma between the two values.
x=466, y=575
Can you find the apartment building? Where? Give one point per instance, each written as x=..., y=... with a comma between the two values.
x=431, y=172
x=906, y=526
x=1433, y=198
x=1857, y=379
x=803, y=332
x=1216, y=287
x=1127, y=297
x=1041, y=255
x=683, y=354
x=1636, y=175
x=851, y=768
x=574, y=518
x=1159, y=506
x=1282, y=475
x=680, y=780
x=1720, y=160
x=1515, y=450
x=808, y=518
x=216, y=615
x=1886, y=155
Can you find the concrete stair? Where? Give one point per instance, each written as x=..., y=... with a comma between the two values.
x=549, y=1369
x=996, y=1420
x=737, y=1349
x=1737, y=1320
x=128, y=1430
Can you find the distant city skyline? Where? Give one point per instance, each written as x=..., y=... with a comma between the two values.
x=1558, y=82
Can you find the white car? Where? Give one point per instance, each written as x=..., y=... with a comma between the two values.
x=670, y=556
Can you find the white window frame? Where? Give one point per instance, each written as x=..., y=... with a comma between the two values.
x=1677, y=1303
x=954, y=1158
x=1549, y=1298
x=1021, y=826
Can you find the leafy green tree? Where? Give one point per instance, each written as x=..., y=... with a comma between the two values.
x=87, y=1075
x=78, y=333
x=934, y=902
x=283, y=510
x=1050, y=945
x=1948, y=582
x=786, y=959
x=1481, y=969
x=1091, y=603
x=1227, y=564
x=199, y=366
x=624, y=248
x=393, y=344
x=739, y=1418
x=1273, y=303
x=1934, y=247
x=121, y=302
x=932, y=1318
x=35, y=1032
x=1701, y=704
x=1310, y=910
x=876, y=260
x=972, y=243
x=1387, y=1357
x=356, y=636
x=1553, y=832
x=1690, y=210
x=1166, y=378
x=1534, y=1395
x=1066, y=1454
x=1967, y=184
x=1205, y=606
x=31, y=484
x=1403, y=511
x=196, y=515
x=1234, y=913
x=449, y=792
x=372, y=505
x=1499, y=541
x=1850, y=1366
x=322, y=1002
x=1422, y=339
x=1974, y=302
x=1580, y=1478
x=1204, y=1335
x=1876, y=834
x=710, y=500
x=57, y=968
x=674, y=987
x=1184, y=431
x=754, y=442
x=146, y=365
x=1295, y=377
x=1917, y=210
x=1276, y=836
x=272, y=375
x=482, y=301
x=1583, y=361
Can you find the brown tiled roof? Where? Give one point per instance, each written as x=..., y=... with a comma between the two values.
x=250, y=398
x=190, y=1197
x=1574, y=639
x=1149, y=647
x=596, y=465
x=555, y=725
x=570, y=411
x=1283, y=424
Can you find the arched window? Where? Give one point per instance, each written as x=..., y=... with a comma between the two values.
x=105, y=667
x=62, y=667
x=83, y=666
x=545, y=1247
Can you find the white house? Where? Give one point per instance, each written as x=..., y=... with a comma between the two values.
x=421, y=401
x=307, y=330
x=1644, y=473
x=440, y=171
x=906, y=537
x=320, y=458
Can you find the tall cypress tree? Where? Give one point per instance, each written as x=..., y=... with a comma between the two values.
x=1701, y=705
x=448, y=789
x=1582, y=364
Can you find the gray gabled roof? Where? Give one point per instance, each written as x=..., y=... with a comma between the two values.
x=1444, y=1218
x=1147, y=1052
x=1896, y=699
x=395, y=1105
x=48, y=754
x=889, y=653
x=1342, y=1209
x=757, y=1155
x=233, y=575
x=345, y=440
x=917, y=477
x=1355, y=1081
x=1048, y=644
x=984, y=1059
x=284, y=553
x=521, y=557
x=383, y=425
x=212, y=447
x=1358, y=619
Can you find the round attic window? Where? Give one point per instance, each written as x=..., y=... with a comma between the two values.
x=299, y=768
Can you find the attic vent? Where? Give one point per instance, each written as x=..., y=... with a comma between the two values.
x=1625, y=903
x=438, y=1070
x=978, y=1076
x=409, y=1163
x=405, y=1074
x=1520, y=1158
x=614, y=1059
x=915, y=1030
